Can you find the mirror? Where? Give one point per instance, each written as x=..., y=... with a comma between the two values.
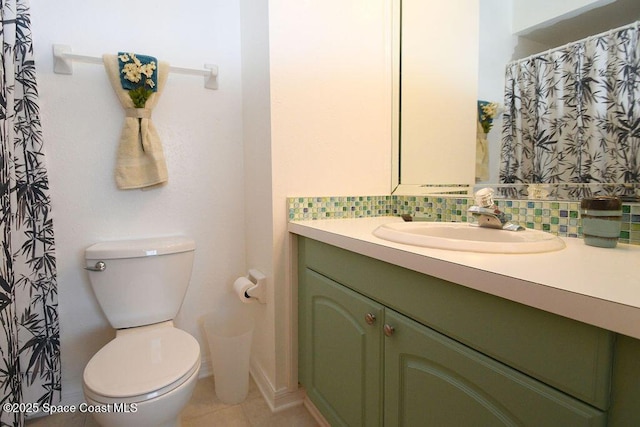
x=435, y=147
x=437, y=96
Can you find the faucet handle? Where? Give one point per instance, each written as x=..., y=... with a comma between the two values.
x=484, y=197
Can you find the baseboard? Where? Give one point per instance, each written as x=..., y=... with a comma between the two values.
x=277, y=400
x=315, y=413
x=206, y=369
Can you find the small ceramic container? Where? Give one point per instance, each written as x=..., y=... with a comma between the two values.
x=601, y=217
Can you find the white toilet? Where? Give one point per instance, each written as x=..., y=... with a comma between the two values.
x=146, y=375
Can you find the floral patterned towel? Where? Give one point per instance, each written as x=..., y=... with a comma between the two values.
x=140, y=161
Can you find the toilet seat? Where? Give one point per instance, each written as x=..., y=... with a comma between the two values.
x=141, y=365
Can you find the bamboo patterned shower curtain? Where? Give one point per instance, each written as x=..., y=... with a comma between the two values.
x=29, y=337
x=573, y=114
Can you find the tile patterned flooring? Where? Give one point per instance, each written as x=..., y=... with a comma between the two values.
x=205, y=410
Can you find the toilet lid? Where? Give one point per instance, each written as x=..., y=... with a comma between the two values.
x=142, y=363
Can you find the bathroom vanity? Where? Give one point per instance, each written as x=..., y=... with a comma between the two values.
x=391, y=334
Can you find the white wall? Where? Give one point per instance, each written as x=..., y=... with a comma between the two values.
x=258, y=183
x=439, y=86
x=330, y=83
x=330, y=96
x=529, y=15
x=201, y=131
x=496, y=49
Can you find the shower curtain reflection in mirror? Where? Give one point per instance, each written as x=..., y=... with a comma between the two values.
x=572, y=115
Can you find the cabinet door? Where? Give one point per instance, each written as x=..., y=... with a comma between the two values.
x=431, y=380
x=340, y=353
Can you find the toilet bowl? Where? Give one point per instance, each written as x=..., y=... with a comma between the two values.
x=145, y=376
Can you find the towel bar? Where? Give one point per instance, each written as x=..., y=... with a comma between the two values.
x=63, y=64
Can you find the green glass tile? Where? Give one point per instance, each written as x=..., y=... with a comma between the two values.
x=561, y=218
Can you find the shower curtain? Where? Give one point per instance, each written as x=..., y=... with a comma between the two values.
x=572, y=115
x=29, y=333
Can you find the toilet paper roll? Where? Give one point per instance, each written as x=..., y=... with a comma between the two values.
x=240, y=288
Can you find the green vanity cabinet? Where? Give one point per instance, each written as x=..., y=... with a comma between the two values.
x=340, y=351
x=383, y=345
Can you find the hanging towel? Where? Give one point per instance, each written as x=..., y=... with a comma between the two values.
x=482, y=154
x=140, y=161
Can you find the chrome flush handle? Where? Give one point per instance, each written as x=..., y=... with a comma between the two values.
x=100, y=266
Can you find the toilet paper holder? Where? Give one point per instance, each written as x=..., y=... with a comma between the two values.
x=259, y=291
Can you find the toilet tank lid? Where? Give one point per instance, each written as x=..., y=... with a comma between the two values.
x=136, y=248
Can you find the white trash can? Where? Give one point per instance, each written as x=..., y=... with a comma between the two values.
x=229, y=332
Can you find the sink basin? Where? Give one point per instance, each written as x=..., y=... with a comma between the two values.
x=459, y=236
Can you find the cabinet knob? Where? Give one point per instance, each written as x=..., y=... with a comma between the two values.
x=389, y=330
x=370, y=318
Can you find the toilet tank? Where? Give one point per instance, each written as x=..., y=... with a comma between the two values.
x=144, y=281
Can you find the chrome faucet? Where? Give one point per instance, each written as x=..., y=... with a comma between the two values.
x=487, y=213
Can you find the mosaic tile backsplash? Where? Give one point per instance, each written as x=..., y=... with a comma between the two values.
x=557, y=217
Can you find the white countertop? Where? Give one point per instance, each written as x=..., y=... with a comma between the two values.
x=598, y=286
